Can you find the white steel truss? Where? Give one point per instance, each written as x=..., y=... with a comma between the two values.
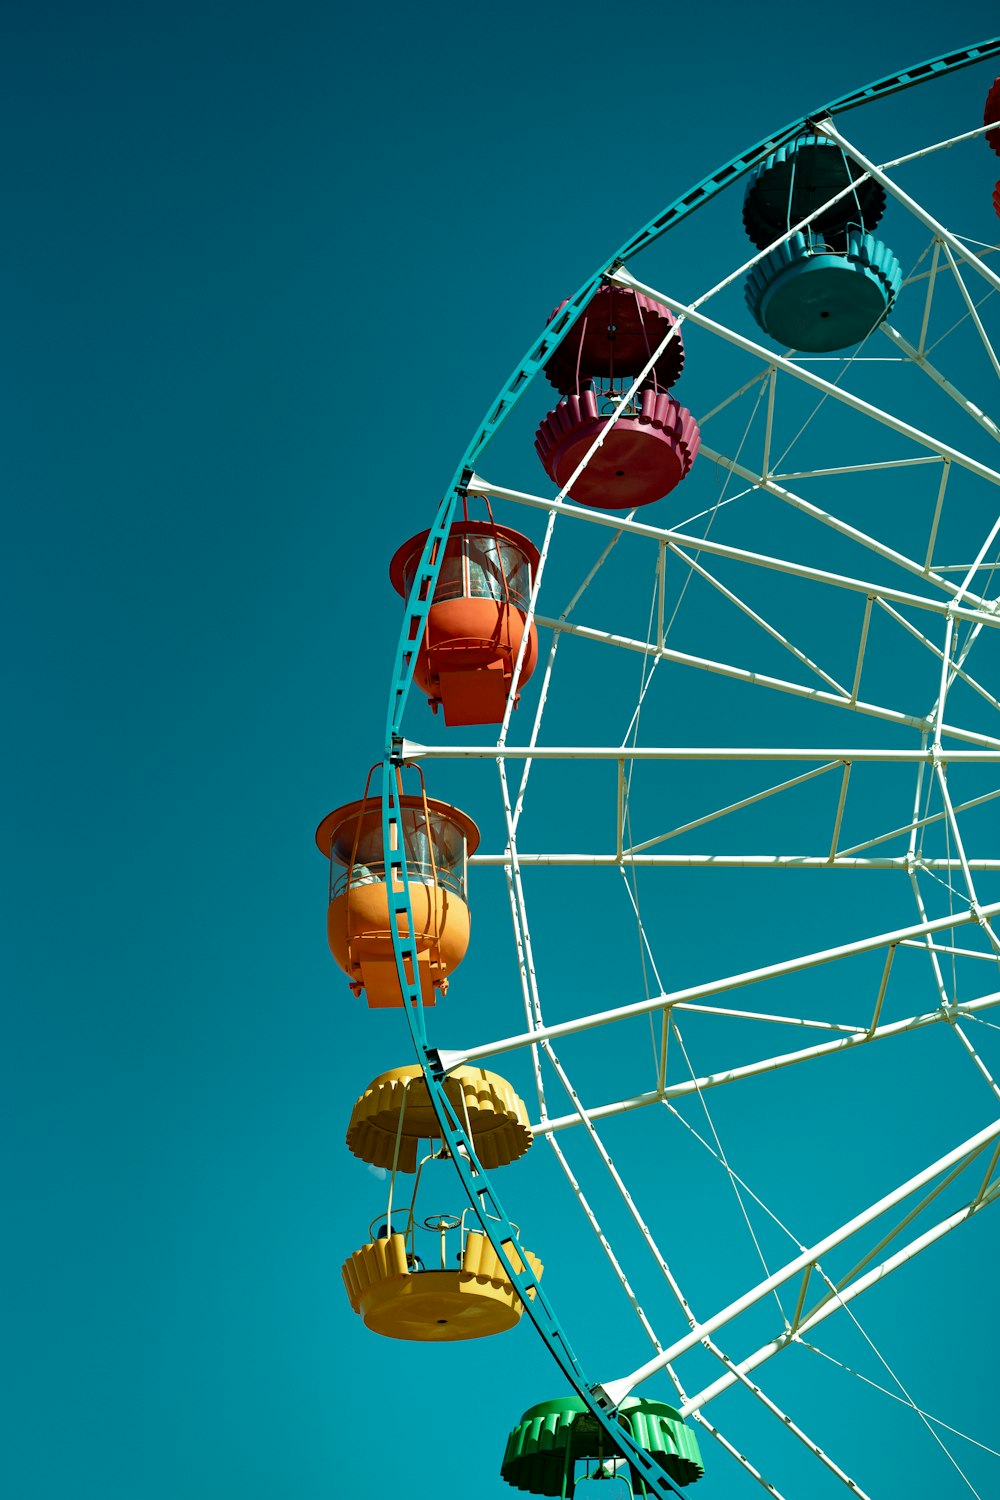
x=955, y=873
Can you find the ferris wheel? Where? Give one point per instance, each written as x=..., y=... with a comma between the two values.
x=718, y=692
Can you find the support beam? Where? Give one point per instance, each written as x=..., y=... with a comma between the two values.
x=826, y=127
x=858, y=1037
x=834, y=523
x=903, y=863
x=615, y=1391
x=989, y=614
x=457, y=1059
x=413, y=750
x=844, y=1296
x=799, y=372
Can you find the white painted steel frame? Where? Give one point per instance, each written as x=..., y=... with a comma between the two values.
x=988, y=612
x=981, y=916
x=958, y=605
x=857, y=1037
x=964, y=1154
x=807, y=377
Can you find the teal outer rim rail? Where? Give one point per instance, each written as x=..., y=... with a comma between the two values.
x=478, y=1189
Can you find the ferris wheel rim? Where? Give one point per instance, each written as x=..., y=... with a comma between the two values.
x=600, y=1400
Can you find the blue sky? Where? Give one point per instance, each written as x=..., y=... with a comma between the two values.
x=265, y=268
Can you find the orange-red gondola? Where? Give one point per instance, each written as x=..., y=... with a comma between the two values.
x=476, y=620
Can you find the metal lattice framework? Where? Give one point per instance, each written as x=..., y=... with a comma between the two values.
x=941, y=848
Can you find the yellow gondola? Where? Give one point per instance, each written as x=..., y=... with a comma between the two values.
x=398, y=1298
x=386, y=1281
x=394, y=1113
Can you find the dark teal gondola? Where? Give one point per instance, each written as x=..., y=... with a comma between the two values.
x=797, y=179
x=808, y=295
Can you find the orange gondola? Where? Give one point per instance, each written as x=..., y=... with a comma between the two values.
x=437, y=840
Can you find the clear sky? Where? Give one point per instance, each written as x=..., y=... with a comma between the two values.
x=264, y=268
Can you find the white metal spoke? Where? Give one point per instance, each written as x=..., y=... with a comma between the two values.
x=973, y=311
x=988, y=614
x=747, y=385
x=904, y=1398
x=904, y=491
x=936, y=521
x=947, y=239
x=550, y=663
x=764, y=680
x=935, y=962
x=452, y=1059
x=942, y=780
x=837, y=470
x=737, y=1373
x=990, y=958
x=826, y=518
x=977, y=1061
x=928, y=299
x=921, y=360
x=412, y=750
x=772, y=380
x=739, y=861
x=604, y=1243
x=834, y=1293
x=918, y=635
x=807, y=377
x=845, y=1295
x=858, y=1037
x=734, y=1452
x=838, y=818
x=950, y=389
x=967, y=1152
x=957, y=323
x=946, y=145
x=758, y=619
x=723, y=1158
x=533, y=1010
x=895, y=833
x=722, y=812
x=640, y=1223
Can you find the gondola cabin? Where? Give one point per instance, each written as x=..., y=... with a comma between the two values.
x=437, y=840
x=543, y=1450
x=645, y=455
x=395, y=1113
x=617, y=334
x=827, y=285
x=401, y=1298
x=808, y=296
x=991, y=116
x=810, y=178
x=458, y=1287
x=654, y=440
x=476, y=620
